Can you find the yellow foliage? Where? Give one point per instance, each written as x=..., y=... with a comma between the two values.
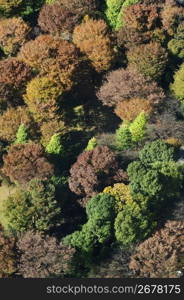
x=122, y=194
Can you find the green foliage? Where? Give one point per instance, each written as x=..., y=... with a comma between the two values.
x=112, y=11
x=55, y=145
x=157, y=151
x=99, y=228
x=33, y=208
x=92, y=143
x=124, y=137
x=176, y=45
x=133, y=224
x=22, y=135
x=137, y=127
x=178, y=85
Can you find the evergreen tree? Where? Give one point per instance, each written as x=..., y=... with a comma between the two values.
x=123, y=138
x=22, y=135
x=55, y=146
x=137, y=128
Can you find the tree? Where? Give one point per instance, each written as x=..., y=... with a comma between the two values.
x=93, y=170
x=133, y=224
x=10, y=121
x=33, y=208
x=93, y=39
x=25, y=162
x=22, y=135
x=177, y=43
x=55, y=145
x=126, y=3
x=124, y=137
x=92, y=143
x=43, y=256
x=150, y=59
x=171, y=16
x=178, y=87
x=160, y=256
x=81, y=7
x=57, y=19
x=129, y=109
x=122, y=194
x=99, y=228
x=13, y=34
x=53, y=57
x=157, y=151
x=42, y=96
x=6, y=5
x=112, y=11
x=14, y=72
x=137, y=127
x=126, y=84
x=140, y=23
x=7, y=255
x=49, y=128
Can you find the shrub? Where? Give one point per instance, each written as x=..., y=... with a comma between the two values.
x=43, y=256
x=41, y=97
x=178, y=86
x=33, y=208
x=92, y=38
x=12, y=119
x=133, y=224
x=126, y=84
x=122, y=194
x=93, y=171
x=57, y=19
x=13, y=34
x=7, y=256
x=25, y=162
x=51, y=56
x=150, y=59
x=129, y=109
x=159, y=256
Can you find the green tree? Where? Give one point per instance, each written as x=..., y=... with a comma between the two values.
x=99, y=227
x=112, y=11
x=133, y=224
x=178, y=85
x=124, y=137
x=137, y=127
x=92, y=143
x=157, y=151
x=33, y=208
x=55, y=145
x=22, y=135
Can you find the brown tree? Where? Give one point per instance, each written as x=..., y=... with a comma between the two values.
x=13, y=34
x=25, y=162
x=141, y=23
x=125, y=84
x=51, y=56
x=10, y=121
x=93, y=39
x=94, y=170
x=161, y=255
x=150, y=59
x=57, y=19
x=81, y=7
x=43, y=256
x=7, y=255
x=14, y=72
x=130, y=109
